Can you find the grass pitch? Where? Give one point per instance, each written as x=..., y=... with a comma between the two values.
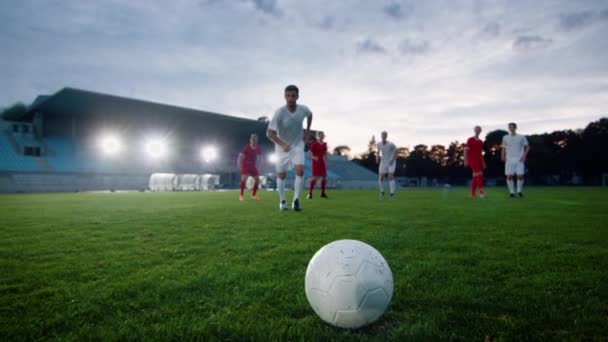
x=182, y=266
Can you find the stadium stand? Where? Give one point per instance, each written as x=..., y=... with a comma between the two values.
x=55, y=146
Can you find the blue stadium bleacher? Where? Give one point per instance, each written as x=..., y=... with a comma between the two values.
x=11, y=160
x=67, y=155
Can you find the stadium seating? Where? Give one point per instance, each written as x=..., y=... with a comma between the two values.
x=10, y=160
x=66, y=155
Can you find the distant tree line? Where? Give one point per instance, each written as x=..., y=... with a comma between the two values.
x=560, y=156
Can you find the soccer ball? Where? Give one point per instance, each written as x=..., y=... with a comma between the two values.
x=348, y=284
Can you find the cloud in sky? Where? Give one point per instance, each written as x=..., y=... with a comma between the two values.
x=425, y=71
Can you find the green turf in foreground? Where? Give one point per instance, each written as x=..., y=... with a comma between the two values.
x=194, y=265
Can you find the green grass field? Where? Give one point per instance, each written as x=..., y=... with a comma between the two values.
x=182, y=266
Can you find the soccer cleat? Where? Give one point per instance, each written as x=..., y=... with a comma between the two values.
x=296, y=205
x=309, y=196
x=241, y=198
x=283, y=206
x=482, y=195
x=512, y=195
x=381, y=195
x=393, y=195
x=520, y=194
x=324, y=195
x=255, y=197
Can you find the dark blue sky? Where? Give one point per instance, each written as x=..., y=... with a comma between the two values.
x=425, y=71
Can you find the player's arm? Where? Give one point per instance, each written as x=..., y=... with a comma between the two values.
x=466, y=155
x=394, y=157
x=272, y=135
x=311, y=156
x=526, y=150
x=308, y=124
x=240, y=160
x=503, y=152
x=259, y=161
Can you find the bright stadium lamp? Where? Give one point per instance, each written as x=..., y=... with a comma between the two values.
x=156, y=148
x=273, y=158
x=110, y=145
x=209, y=153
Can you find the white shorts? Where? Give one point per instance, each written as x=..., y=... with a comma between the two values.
x=385, y=168
x=287, y=160
x=514, y=167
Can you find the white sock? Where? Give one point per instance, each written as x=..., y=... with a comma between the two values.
x=297, y=187
x=520, y=185
x=511, y=186
x=391, y=184
x=381, y=185
x=281, y=188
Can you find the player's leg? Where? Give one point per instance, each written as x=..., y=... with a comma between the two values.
x=298, y=186
x=391, y=179
x=281, y=189
x=256, y=184
x=323, y=184
x=510, y=173
x=482, y=194
x=391, y=183
x=520, y=178
x=283, y=164
x=473, y=183
x=382, y=171
x=297, y=159
x=243, y=183
x=313, y=181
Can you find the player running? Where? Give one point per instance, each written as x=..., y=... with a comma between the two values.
x=285, y=131
x=318, y=155
x=515, y=149
x=473, y=158
x=387, y=156
x=249, y=160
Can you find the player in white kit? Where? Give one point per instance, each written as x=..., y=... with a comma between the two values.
x=387, y=155
x=285, y=131
x=515, y=150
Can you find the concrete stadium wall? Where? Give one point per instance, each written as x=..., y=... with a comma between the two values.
x=17, y=182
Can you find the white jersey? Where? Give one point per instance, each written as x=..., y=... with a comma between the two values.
x=288, y=125
x=515, y=146
x=386, y=151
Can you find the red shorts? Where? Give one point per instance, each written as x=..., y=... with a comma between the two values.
x=250, y=170
x=476, y=166
x=319, y=170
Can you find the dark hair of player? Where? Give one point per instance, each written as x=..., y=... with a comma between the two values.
x=292, y=87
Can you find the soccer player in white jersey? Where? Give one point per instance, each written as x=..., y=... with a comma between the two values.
x=387, y=155
x=285, y=131
x=515, y=150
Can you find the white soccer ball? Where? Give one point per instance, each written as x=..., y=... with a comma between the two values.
x=348, y=284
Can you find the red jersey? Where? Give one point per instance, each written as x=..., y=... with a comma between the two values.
x=250, y=156
x=474, y=148
x=318, y=150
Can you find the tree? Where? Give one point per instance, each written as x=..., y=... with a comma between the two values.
x=14, y=112
x=491, y=145
x=594, y=143
x=367, y=159
x=341, y=150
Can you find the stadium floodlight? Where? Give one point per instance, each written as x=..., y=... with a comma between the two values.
x=273, y=158
x=156, y=148
x=209, y=153
x=110, y=145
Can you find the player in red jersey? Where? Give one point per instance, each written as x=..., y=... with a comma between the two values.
x=473, y=158
x=318, y=154
x=249, y=159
